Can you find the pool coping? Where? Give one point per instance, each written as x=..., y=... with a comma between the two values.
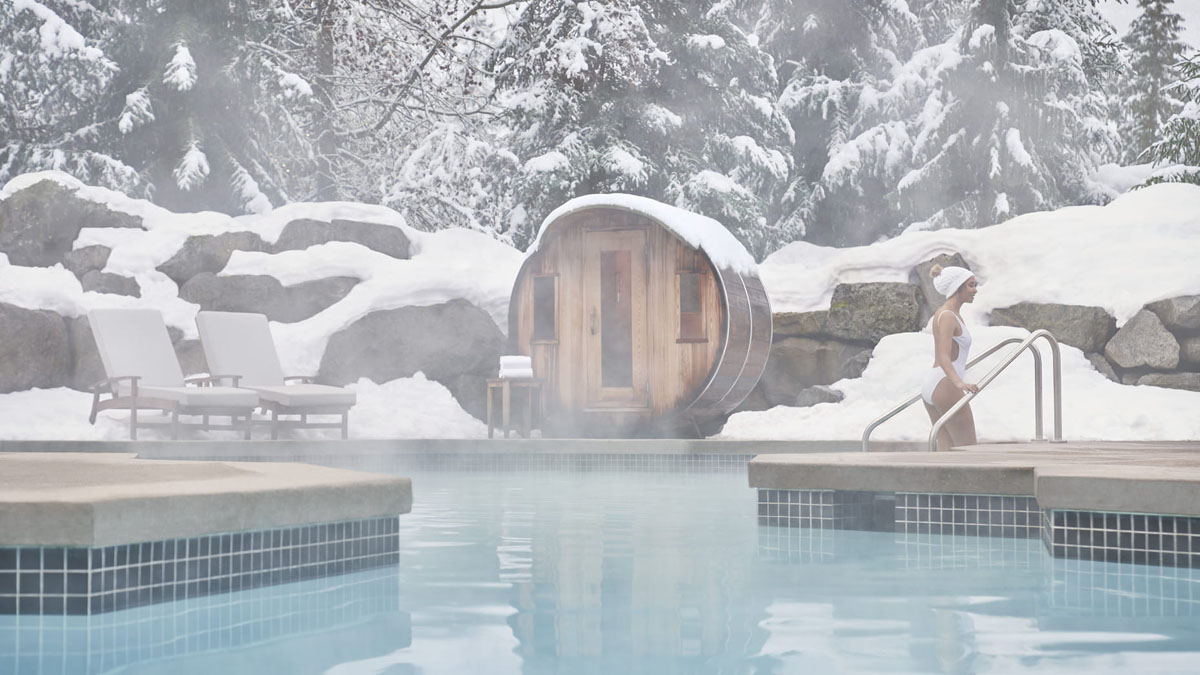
x=1135, y=477
x=70, y=499
x=297, y=450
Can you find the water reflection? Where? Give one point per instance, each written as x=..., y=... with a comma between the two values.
x=305, y=627
x=604, y=573
x=613, y=572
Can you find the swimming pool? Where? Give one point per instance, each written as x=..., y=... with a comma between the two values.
x=551, y=571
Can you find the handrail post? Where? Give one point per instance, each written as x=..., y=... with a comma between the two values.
x=1056, y=379
x=866, y=437
x=1038, y=433
x=1027, y=344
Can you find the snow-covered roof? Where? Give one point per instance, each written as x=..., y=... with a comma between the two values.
x=701, y=232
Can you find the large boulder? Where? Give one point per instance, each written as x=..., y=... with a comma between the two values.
x=795, y=364
x=1102, y=365
x=265, y=294
x=866, y=312
x=930, y=298
x=191, y=358
x=855, y=365
x=818, y=394
x=39, y=224
x=303, y=233
x=1189, y=381
x=80, y=261
x=104, y=282
x=1179, y=314
x=1143, y=342
x=799, y=324
x=1189, y=352
x=455, y=343
x=86, y=367
x=35, y=349
x=1088, y=328
x=208, y=253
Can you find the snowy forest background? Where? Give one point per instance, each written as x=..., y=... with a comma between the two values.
x=837, y=122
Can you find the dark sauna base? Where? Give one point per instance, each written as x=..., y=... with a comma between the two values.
x=1134, y=538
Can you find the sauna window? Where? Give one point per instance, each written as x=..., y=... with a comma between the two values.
x=691, y=307
x=544, y=291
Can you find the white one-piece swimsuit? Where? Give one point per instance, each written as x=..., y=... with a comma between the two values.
x=960, y=364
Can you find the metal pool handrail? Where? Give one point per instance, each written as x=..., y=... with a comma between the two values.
x=1037, y=388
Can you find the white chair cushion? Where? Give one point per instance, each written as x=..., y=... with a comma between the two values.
x=238, y=343
x=307, y=395
x=227, y=397
x=135, y=342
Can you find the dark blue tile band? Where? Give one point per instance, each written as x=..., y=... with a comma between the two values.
x=58, y=580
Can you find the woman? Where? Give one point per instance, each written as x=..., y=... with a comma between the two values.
x=944, y=384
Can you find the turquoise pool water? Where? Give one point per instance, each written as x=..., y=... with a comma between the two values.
x=628, y=572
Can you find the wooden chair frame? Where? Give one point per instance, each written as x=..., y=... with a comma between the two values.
x=133, y=403
x=277, y=409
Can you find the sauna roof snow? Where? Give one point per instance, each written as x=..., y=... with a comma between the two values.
x=701, y=232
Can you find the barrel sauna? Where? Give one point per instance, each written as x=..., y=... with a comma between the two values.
x=642, y=318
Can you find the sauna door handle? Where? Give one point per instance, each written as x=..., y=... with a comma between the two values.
x=592, y=321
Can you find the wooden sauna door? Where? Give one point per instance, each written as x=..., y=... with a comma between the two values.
x=614, y=291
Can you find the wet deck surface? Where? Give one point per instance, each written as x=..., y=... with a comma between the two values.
x=1138, y=477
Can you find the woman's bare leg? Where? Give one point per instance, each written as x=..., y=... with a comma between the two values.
x=944, y=441
x=962, y=425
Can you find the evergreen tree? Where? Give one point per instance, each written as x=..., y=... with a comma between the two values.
x=673, y=101
x=52, y=68
x=839, y=59
x=1179, y=142
x=1006, y=126
x=1155, y=48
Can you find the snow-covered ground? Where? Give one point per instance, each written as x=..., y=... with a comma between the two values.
x=1143, y=247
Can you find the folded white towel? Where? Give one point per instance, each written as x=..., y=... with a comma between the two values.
x=516, y=373
x=516, y=362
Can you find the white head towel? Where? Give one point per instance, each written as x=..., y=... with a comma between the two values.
x=951, y=279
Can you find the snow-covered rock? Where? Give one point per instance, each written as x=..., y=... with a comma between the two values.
x=865, y=312
x=455, y=343
x=1143, y=342
x=1088, y=328
x=39, y=223
x=264, y=294
x=1181, y=313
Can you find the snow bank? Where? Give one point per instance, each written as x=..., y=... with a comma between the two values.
x=698, y=231
x=430, y=411
x=1145, y=246
x=1094, y=407
x=1142, y=247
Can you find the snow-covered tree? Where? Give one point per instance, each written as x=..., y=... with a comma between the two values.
x=1155, y=48
x=671, y=100
x=1006, y=127
x=52, y=70
x=1179, y=141
x=840, y=61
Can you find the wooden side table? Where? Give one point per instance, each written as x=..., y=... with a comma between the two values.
x=532, y=387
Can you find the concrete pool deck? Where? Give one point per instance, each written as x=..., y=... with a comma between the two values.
x=76, y=499
x=1130, y=477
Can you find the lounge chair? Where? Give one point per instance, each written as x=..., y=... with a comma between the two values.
x=144, y=374
x=236, y=342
